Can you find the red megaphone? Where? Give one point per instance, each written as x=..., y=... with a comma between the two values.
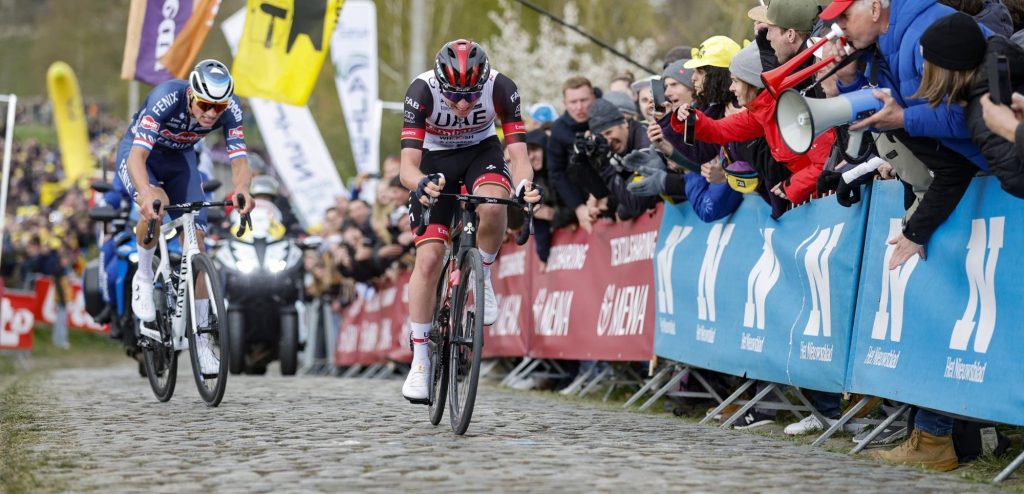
x=780, y=79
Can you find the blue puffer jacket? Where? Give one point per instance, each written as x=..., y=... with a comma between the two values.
x=901, y=70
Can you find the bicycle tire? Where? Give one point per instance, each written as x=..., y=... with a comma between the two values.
x=466, y=342
x=159, y=358
x=438, y=343
x=219, y=339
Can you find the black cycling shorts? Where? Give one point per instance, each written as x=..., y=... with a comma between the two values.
x=476, y=165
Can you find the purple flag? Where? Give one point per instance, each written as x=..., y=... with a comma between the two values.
x=152, y=27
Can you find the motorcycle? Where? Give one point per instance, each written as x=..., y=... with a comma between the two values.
x=263, y=281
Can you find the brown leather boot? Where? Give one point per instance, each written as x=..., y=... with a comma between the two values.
x=924, y=449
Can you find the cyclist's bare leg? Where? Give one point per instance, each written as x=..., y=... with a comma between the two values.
x=493, y=218
x=425, y=271
x=146, y=250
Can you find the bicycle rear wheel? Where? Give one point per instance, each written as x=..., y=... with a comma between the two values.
x=438, y=344
x=467, y=340
x=213, y=334
x=159, y=357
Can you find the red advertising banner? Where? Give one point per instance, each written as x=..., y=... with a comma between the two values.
x=373, y=329
x=595, y=300
x=347, y=351
x=511, y=274
x=77, y=317
x=399, y=314
x=17, y=318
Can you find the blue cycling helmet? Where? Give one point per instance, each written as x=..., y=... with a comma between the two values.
x=211, y=81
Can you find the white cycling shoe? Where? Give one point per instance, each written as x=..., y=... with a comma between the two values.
x=490, y=303
x=208, y=362
x=142, y=298
x=416, y=384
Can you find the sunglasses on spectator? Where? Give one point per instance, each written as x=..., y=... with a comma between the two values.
x=456, y=97
x=206, y=106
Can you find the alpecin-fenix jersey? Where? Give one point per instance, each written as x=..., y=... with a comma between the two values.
x=164, y=123
x=430, y=124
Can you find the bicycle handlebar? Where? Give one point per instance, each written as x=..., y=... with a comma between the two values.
x=523, y=236
x=246, y=220
x=151, y=230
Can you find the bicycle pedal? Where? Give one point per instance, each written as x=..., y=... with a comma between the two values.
x=422, y=401
x=210, y=376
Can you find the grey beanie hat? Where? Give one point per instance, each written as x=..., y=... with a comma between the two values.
x=746, y=66
x=622, y=101
x=676, y=71
x=603, y=114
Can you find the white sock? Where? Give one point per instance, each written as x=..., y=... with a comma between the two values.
x=488, y=259
x=202, y=312
x=419, y=341
x=145, y=268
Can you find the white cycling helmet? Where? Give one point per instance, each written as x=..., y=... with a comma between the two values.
x=211, y=81
x=265, y=185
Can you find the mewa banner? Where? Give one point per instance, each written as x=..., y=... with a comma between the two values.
x=354, y=54
x=153, y=26
x=295, y=145
x=945, y=332
x=375, y=329
x=751, y=296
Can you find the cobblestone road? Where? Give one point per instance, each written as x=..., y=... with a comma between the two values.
x=103, y=431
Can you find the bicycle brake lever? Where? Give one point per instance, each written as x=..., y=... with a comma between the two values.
x=151, y=230
x=420, y=230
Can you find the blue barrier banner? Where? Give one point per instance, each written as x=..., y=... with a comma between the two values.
x=749, y=295
x=945, y=333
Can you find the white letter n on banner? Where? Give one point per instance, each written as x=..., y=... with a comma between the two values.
x=894, y=288
x=718, y=238
x=816, y=263
x=760, y=282
x=981, y=275
x=663, y=266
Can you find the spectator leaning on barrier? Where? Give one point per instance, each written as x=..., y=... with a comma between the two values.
x=578, y=95
x=550, y=214
x=938, y=136
x=992, y=13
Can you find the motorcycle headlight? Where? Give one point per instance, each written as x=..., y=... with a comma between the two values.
x=276, y=265
x=246, y=265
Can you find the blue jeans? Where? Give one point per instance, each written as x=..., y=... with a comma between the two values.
x=826, y=404
x=933, y=423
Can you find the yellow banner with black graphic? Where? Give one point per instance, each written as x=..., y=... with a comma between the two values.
x=283, y=47
x=69, y=118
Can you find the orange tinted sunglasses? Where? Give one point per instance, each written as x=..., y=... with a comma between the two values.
x=206, y=106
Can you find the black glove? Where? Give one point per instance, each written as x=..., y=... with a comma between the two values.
x=848, y=194
x=421, y=188
x=828, y=181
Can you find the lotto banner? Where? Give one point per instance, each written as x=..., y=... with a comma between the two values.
x=929, y=332
x=282, y=48
x=511, y=277
x=17, y=318
x=595, y=300
x=751, y=296
x=77, y=317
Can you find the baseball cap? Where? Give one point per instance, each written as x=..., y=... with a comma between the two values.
x=835, y=8
x=741, y=177
x=716, y=51
x=537, y=137
x=542, y=112
x=787, y=14
x=603, y=114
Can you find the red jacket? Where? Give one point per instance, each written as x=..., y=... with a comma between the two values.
x=759, y=120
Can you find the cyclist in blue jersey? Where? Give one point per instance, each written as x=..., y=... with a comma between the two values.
x=157, y=160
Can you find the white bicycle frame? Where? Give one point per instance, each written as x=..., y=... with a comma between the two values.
x=190, y=247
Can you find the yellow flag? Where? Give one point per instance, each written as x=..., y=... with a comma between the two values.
x=69, y=117
x=283, y=46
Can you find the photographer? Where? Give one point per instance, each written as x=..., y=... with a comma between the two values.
x=577, y=96
x=597, y=161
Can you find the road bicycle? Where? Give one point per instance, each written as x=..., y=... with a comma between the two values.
x=456, y=336
x=177, y=280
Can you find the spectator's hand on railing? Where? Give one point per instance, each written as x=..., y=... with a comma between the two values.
x=905, y=249
x=644, y=158
x=583, y=216
x=885, y=171
x=713, y=172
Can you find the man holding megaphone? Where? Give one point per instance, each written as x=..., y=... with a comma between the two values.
x=937, y=136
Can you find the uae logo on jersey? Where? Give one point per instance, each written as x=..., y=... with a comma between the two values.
x=149, y=124
x=236, y=133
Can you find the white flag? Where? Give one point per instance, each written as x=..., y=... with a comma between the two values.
x=354, y=53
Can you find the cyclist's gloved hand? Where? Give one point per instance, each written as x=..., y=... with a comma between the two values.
x=528, y=192
x=430, y=186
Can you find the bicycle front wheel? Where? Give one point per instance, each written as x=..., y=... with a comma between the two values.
x=438, y=343
x=466, y=342
x=158, y=356
x=208, y=340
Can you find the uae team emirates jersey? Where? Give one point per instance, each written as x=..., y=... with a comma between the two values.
x=431, y=125
x=164, y=123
